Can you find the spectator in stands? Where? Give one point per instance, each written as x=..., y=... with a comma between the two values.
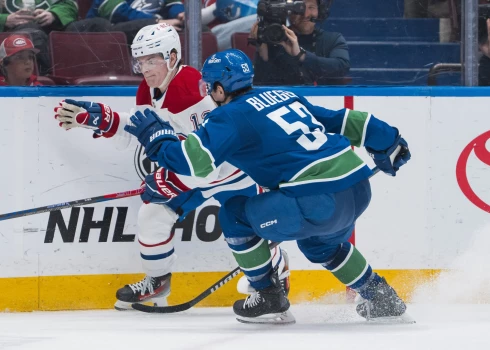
x=448, y=11
x=309, y=56
x=17, y=59
x=38, y=21
x=129, y=16
x=225, y=17
x=484, y=45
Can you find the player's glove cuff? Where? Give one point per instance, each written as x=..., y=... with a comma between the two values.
x=156, y=140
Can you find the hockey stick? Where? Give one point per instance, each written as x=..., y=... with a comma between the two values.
x=187, y=305
x=75, y=203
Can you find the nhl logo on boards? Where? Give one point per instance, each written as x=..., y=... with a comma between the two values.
x=213, y=59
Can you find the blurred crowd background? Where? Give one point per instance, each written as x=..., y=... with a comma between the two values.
x=310, y=42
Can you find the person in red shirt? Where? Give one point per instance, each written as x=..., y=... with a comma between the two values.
x=17, y=61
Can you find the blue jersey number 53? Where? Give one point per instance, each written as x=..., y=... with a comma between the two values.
x=301, y=112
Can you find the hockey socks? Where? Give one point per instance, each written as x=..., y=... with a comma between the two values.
x=254, y=258
x=352, y=269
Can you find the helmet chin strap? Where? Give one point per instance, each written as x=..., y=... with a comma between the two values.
x=163, y=86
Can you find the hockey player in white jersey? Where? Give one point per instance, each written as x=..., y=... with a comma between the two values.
x=172, y=90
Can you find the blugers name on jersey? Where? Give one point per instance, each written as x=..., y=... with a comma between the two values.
x=283, y=142
x=270, y=98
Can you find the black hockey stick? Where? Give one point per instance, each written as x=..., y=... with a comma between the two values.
x=187, y=305
x=75, y=203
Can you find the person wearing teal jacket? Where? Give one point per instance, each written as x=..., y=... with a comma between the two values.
x=38, y=20
x=129, y=16
x=117, y=11
x=48, y=14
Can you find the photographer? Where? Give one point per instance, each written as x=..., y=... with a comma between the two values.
x=307, y=56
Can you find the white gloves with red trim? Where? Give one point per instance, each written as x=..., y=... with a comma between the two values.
x=90, y=115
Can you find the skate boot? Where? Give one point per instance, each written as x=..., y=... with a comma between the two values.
x=266, y=306
x=385, y=305
x=149, y=289
x=280, y=264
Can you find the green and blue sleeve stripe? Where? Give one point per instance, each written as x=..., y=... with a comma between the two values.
x=361, y=128
x=172, y=157
x=188, y=157
x=199, y=158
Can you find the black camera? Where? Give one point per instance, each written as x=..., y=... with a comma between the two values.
x=272, y=14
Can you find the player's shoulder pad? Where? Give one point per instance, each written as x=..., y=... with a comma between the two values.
x=220, y=114
x=183, y=91
x=189, y=74
x=143, y=96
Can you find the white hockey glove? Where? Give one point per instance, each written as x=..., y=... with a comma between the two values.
x=90, y=115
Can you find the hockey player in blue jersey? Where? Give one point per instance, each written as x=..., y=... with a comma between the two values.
x=316, y=186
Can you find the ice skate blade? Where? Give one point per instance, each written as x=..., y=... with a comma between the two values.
x=125, y=306
x=282, y=318
x=122, y=306
x=403, y=319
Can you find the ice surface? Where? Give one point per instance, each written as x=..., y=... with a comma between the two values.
x=333, y=327
x=468, y=278
x=452, y=312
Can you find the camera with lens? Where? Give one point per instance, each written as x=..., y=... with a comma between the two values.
x=272, y=14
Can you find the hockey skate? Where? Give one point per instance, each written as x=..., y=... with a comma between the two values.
x=385, y=306
x=266, y=306
x=149, y=289
x=282, y=268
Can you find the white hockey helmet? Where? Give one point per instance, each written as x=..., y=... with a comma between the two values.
x=157, y=38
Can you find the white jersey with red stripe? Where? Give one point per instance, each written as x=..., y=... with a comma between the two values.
x=185, y=109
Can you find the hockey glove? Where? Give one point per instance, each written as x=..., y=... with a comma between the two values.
x=89, y=115
x=161, y=187
x=390, y=160
x=150, y=131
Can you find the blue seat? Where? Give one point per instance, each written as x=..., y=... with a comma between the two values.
x=410, y=77
x=366, y=54
x=385, y=29
x=367, y=8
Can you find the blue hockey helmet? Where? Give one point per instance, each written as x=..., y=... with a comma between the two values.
x=231, y=68
x=229, y=10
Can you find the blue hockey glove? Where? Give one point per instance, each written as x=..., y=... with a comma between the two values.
x=150, y=131
x=393, y=158
x=161, y=187
x=90, y=115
